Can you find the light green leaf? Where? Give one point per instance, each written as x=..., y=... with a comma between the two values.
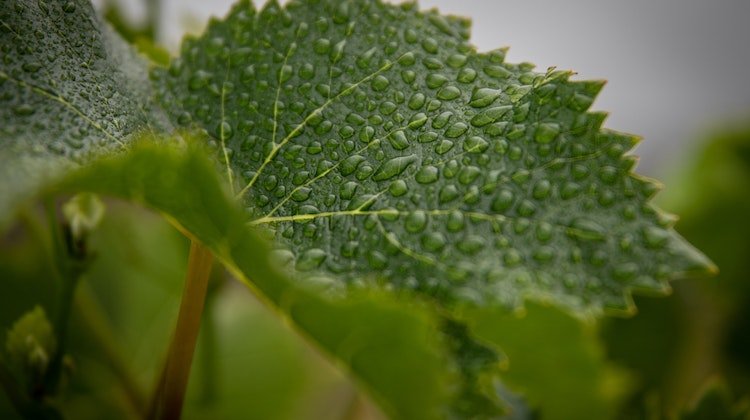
x=381, y=147
x=372, y=335
x=554, y=360
x=69, y=88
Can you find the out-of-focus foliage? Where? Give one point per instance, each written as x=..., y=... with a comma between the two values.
x=554, y=360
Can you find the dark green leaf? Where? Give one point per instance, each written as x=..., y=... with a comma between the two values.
x=381, y=147
x=69, y=87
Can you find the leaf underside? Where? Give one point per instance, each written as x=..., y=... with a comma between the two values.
x=381, y=147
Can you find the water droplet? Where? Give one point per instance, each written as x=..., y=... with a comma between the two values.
x=544, y=232
x=625, y=271
x=542, y=189
x=430, y=45
x=433, y=241
x=442, y=120
x=544, y=254
x=393, y=167
x=546, y=132
x=408, y=76
x=285, y=73
x=310, y=259
x=341, y=13
x=484, y=97
x=417, y=120
x=408, y=59
x=443, y=147
x=23, y=110
x=520, y=176
x=526, y=208
x=456, y=130
x=416, y=101
x=475, y=144
x=225, y=130
x=380, y=83
x=427, y=174
x=489, y=116
x=655, y=237
x=441, y=23
x=457, y=60
x=398, y=188
x=512, y=258
x=570, y=190
x=427, y=137
x=322, y=46
x=468, y=174
x=586, y=230
x=338, y=51
x=415, y=222
x=448, y=193
x=350, y=164
x=301, y=194
x=31, y=67
x=199, y=80
x=377, y=260
x=466, y=75
x=471, y=244
x=398, y=140
x=503, y=200
x=608, y=174
x=449, y=93
x=498, y=72
x=435, y=80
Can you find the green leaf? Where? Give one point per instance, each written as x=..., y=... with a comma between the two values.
x=372, y=335
x=554, y=360
x=381, y=147
x=69, y=88
x=717, y=403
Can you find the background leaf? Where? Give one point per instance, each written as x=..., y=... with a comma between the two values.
x=554, y=360
x=381, y=147
x=69, y=87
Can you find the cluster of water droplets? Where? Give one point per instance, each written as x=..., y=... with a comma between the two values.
x=381, y=147
x=62, y=85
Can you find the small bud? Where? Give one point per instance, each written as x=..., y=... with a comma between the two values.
x=83, y=213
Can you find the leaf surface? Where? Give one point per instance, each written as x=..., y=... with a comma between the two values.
x=69, y=87
x=383, y=148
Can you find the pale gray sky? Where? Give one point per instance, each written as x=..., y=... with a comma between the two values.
x=675, y=68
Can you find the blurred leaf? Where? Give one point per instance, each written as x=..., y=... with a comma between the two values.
x=716, y=403
x=555, y=361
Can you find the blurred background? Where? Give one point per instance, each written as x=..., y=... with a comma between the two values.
x=676, y=71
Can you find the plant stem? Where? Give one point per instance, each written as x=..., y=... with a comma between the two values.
x=170, y=393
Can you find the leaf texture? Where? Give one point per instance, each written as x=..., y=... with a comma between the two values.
x=381, y=147
x=69, y=87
